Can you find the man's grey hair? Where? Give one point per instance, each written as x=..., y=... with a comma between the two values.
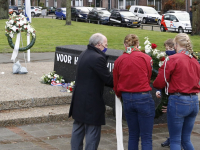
x=96, y=38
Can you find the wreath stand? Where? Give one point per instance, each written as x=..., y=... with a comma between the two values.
x=17, y=68
x=14, y=26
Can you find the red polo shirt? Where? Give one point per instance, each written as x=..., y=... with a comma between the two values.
x=182, y=74
x=132, y=73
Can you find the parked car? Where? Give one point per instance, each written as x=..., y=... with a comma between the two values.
x=99, y=8
x=178, y=22
x=35, y=11
x=20, y=9
x=79, y=13
x=124, y=18
x=116, y=9
x=15, y=9
x=101, y=16
x=60, y=13
x=38, y=7
x=176, y=11
x=10, y=11
x=148, y=14
x=51, y=10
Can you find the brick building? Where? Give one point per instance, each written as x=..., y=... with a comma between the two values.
x=109, y=4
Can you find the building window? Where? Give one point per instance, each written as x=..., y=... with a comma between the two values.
x=155, y=3
x=128, y=2
x=19, y=2
x=78, y=3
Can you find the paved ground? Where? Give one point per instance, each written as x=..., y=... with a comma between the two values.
x=57, y=136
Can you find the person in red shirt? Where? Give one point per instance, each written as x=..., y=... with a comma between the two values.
x=131, y=75
x=180, y=75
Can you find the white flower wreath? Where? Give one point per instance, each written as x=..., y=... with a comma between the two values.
x=17, y=24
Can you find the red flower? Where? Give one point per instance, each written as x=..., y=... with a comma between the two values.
x=153, y=45
x=162, y=59
x=71, y=89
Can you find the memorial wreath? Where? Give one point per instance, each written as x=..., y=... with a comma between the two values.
x=17, y=24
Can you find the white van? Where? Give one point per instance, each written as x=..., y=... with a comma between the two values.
x=147, y=14
x=178, y=21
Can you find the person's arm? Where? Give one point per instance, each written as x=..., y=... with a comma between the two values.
x=164, y=74
x=103, y=72
x=115, y=80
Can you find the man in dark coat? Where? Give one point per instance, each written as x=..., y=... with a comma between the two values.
x=87, y=106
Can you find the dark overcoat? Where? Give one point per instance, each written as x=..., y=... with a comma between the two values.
x=92, y=74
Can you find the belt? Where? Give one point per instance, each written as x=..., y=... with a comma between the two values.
x=148, y=92
x=186, y=94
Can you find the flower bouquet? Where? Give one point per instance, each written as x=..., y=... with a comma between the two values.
x=158, y=60
x=157, y=56
x=68, y=87
x=52, y=79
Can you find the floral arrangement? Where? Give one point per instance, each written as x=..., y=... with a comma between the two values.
x=52, y=79
x=17, y=24
x=158, y=60
x=68, y=87
x=157, y=56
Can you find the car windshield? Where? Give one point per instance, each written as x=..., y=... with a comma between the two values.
x=83, y=10
x=64, y=9
x=104, y=12
x=150, y=11
x=184, y=17
x=126, y=14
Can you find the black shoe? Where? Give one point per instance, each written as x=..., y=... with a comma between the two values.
x=166, y=143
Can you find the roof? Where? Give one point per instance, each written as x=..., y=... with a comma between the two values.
x=176, y=11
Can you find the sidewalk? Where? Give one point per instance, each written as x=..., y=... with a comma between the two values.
x=55, y=135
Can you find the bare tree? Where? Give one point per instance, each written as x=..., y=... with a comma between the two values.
x=195, y=17
x=68, y=12
x=4, y=9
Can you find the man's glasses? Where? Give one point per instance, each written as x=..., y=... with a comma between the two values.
x=106, y=45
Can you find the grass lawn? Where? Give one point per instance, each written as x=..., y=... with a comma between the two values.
x=51, y=33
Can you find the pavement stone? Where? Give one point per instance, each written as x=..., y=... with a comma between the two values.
x=57, y=136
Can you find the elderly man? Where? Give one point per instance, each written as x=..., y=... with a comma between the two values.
x=87, y=106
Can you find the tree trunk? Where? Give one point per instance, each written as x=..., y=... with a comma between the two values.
x=4, y=9
x=195, y=18
x=68, y=12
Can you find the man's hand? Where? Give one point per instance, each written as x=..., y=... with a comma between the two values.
x=164, y=109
